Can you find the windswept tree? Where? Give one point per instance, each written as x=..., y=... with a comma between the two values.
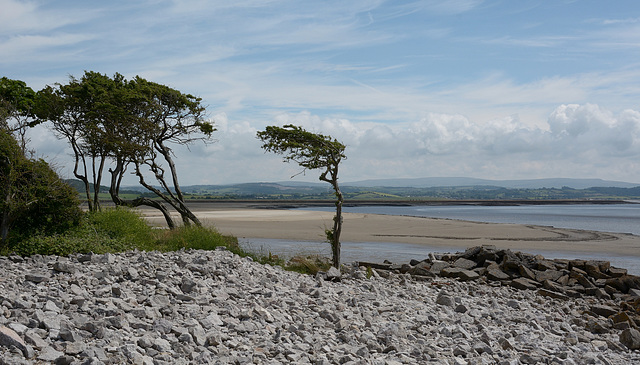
x=167, y=118
x=78, y=112
x=311, y=151
x=128, y=125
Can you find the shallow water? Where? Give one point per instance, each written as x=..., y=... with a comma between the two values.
x=619, y=218
x=400, y=252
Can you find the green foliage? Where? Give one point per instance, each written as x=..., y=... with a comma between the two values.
x=16, y=99
x=110, y=230
x=131, y=124
x=34, y=199
x=79, y=241
x=309, y=150
x=369, y=272
x=122, y=224
x=308, y=264
x=194, y=237
x=121, y=229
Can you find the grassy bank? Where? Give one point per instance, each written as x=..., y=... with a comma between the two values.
x=115, y=230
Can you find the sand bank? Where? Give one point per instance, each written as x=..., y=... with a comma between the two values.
x=307, y=225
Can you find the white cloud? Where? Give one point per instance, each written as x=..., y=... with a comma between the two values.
x=413, y=88
x=31, y=46
x=31, y=17
x=579, y=141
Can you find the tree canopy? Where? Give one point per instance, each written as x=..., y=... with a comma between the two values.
x=126, y=124
x=311, y=151
x=17, y=103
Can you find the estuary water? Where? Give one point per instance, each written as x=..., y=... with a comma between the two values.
x=618, y=218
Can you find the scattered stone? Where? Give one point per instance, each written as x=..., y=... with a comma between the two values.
x=466, y=275
x=9, y=338
x=216, y=307
x=616, y=272
x=437, y=266
x=444, y=299
x=464, y=264
x=497, y=275
x=451, y=272
x=630, y=338
x=524, y=284
x=65, y=267
x=333, y=274
x=36, y=277
x=603, y=310
x=461, y=308
x=49, y=354
x=552, y=294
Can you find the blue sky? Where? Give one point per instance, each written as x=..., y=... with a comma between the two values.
x=489, y=89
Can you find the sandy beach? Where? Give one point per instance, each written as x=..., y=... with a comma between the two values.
x=304, y=225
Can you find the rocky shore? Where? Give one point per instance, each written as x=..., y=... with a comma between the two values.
x=213, y=307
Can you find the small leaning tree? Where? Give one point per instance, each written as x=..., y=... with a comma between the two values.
x=311, y=151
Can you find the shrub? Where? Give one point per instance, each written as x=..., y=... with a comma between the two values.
x=194, y=237
x=81, y=241
x=122, y=224
x=34, y=200
x=308, y=264
x=120, y=229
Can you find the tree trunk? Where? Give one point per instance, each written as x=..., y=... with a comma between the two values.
x=337, y=227
x=114, y=191
x=80, y=177
x=176, y=200
x=97, y=180
x=336, y=231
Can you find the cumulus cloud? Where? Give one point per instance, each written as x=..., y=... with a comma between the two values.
x=408, y=99
x=582, y=140
x=578, y=140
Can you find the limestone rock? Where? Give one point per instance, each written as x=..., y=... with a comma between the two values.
x=497, y=275
x=444, y=299
x=451, y=272
x=524, y=284
x=464, y=263
x=195, y=306
x=466, y=275
x=9, y=337
x=603, y=310
x=630, y=338
x=437, y=266
x=552, y=294
x=333, y=274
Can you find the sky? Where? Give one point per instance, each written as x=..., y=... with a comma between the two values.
x=494, y=89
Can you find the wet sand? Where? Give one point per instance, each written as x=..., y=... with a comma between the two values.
x=308, y=225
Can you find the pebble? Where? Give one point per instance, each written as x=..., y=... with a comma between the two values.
x=214, y=307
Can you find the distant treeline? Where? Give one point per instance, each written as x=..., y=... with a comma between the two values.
x=278, y=191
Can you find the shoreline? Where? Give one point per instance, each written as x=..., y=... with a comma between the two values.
x=302, y=203
x=257, y=221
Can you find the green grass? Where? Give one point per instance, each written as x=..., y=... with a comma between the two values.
x=308, y=264
x=120, y=229
x=194, y=237
x=116, y=230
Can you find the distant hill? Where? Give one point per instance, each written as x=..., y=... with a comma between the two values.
x=427, y=188
x=509, y=184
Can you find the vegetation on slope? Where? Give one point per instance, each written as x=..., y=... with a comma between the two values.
x=113, y=230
